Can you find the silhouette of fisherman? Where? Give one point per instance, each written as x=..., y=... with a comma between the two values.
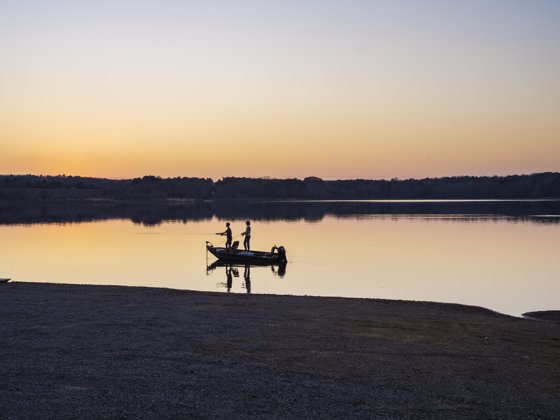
x=247, y=234
x=227, y=234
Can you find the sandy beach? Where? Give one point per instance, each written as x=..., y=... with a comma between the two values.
x=120, y=352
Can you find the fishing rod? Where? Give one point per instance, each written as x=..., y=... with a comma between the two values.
x=221, y=234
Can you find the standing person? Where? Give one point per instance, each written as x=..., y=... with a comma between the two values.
x=247, y=234
x=227, y=234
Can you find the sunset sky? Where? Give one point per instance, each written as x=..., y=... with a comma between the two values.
x=336, y=89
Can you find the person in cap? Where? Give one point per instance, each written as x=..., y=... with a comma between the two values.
x=227, y=234
x=247, y=234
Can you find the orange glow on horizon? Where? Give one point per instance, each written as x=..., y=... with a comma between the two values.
x=386, y=92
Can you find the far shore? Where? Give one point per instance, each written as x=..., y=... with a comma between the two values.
x=74, y=351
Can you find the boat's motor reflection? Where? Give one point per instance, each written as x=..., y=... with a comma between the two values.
x=280, y=270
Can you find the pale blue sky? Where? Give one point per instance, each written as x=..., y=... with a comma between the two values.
x=361, y=88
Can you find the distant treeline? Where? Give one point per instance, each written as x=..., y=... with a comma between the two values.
x=25, y=187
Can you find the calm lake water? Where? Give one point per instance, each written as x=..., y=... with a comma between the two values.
x=499, y=255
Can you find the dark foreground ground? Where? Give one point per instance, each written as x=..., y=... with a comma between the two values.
x=116, y=352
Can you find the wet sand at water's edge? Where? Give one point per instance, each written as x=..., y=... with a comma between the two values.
x=104, y=351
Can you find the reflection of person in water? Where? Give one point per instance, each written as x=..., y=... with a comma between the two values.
x=229, y=277
x=247, y=234
x=247, y=277
x=227, y=234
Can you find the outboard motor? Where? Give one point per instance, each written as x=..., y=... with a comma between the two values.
x=282, y=259
x=282, y=254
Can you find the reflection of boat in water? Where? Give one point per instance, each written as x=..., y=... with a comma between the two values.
x=233, y=270
x=233, y=255
x=277, y=268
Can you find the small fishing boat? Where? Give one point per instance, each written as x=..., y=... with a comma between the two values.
x=276, y=255
x=4, y=280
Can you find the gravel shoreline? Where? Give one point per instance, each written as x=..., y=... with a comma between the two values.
x=122, y=352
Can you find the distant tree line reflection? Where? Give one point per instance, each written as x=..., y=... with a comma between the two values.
x=153, y=212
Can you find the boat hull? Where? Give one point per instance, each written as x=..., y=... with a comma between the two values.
x=248, y=257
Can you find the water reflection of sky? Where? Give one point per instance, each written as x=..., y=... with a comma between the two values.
x=485, y=261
